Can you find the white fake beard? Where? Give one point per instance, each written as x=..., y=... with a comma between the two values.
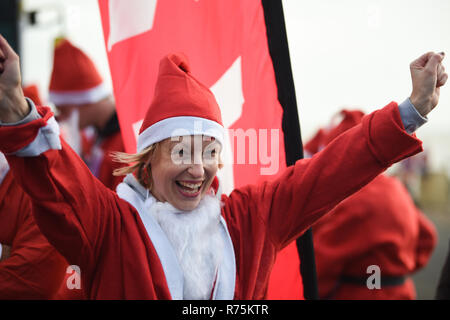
x=195, y=237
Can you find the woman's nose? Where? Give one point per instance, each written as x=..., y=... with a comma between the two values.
x=196, y=169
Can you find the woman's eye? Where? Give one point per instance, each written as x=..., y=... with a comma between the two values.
x=181, y=153
x=209, y=153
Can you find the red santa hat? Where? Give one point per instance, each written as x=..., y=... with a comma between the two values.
x=315, y=144
x=181, y=106
x=74, y=79
x=349, y=119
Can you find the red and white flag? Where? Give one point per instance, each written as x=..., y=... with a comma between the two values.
x=227, y=47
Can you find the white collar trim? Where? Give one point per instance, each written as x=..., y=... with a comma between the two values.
x=133, y=192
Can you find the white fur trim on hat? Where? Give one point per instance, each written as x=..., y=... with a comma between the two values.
x=179, y=126
x=92, y=95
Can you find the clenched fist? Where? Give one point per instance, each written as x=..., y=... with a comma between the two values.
x=428, y=75
x=13, y=106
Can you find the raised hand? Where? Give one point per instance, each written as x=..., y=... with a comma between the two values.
x=13, y=106
x=428, y=75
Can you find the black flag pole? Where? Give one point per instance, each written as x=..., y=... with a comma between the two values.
x=279, y=52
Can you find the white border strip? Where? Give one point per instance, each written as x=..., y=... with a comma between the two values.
x=179, y=126
x=92, y=95
x=46, y=139
x=226, y=280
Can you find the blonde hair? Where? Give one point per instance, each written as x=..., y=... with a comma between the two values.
x=137, y=163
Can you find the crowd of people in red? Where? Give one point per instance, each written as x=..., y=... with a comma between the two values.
x=162, y=229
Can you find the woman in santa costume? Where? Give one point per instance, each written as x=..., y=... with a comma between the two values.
x=377, y=226
x=168, y=233
x=83, y=100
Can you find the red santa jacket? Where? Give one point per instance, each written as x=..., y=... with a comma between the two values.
x=106, y=237
x=34, y=269
x=379, y=225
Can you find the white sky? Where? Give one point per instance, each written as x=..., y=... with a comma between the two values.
x=344, y=53
x=357, y=53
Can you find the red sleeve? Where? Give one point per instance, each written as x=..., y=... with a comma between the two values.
x=34, y=269
x=427, y=240
x=71, y=207
x=312, y=187
x=9, y=222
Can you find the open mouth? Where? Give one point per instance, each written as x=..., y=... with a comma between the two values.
x=189, y=188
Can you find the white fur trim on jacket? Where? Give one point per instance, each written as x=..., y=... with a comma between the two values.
x=46, y=139
x=133, y=192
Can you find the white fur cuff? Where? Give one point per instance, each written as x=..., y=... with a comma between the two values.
x=47, y=139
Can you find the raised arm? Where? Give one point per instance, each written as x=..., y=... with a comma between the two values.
x=71, y=207
x=312, y=187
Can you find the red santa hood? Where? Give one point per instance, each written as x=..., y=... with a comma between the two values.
x=315, y=144
x=349, y=119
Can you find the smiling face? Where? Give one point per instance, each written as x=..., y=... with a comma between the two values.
x=183, y=169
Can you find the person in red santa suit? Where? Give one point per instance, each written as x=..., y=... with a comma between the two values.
x=83, y=100
x=168, y=233
x=30, y=268
x=377, y=226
